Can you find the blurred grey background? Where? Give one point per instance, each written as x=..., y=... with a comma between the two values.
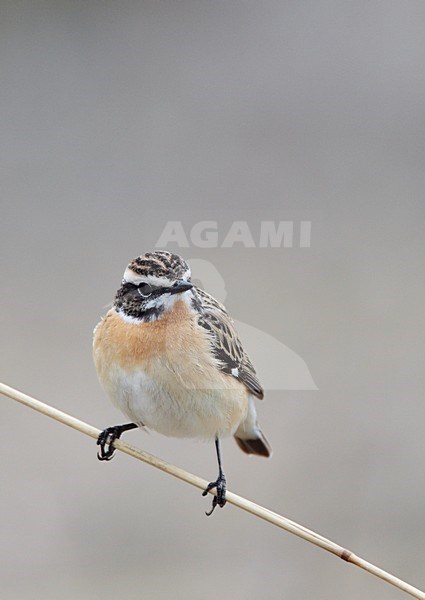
x=117, y=117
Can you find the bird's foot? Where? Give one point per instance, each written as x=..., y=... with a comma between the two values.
x=106, y=441
x=220, y=495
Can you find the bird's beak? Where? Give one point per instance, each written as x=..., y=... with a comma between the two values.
x=180, y=286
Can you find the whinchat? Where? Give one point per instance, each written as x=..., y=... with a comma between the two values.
x=170, y=359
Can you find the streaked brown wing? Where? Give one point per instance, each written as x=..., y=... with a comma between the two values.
x=226, y=345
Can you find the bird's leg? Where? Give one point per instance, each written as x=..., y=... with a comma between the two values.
x=107, y=438
x=220, y=484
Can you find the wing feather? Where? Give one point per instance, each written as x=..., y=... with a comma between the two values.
x=225, y=342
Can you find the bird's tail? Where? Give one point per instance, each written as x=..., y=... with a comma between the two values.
x=249, y=436
x=254, y=444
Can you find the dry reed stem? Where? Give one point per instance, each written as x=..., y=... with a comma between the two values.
x=243, y=503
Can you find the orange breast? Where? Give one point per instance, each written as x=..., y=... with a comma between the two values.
x=134, y=345
x=162, y=373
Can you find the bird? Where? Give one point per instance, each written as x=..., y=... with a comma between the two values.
x=168, y=356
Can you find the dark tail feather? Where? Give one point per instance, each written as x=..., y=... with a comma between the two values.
x=259, y=446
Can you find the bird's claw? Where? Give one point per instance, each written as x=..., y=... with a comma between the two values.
x=220, y=495
x=106, y=441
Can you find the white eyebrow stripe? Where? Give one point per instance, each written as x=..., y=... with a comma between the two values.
x=132, y=277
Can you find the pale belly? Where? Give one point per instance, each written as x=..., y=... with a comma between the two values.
x=169, y=406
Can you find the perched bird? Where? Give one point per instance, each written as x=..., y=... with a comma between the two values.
x=169, y=357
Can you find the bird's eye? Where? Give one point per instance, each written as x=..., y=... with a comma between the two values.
x=144, y=289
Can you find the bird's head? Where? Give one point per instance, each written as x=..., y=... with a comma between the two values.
x=151, y=285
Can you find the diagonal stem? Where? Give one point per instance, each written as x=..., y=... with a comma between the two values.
x=239, y=501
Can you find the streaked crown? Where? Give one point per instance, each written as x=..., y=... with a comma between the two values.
x=161, y=265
